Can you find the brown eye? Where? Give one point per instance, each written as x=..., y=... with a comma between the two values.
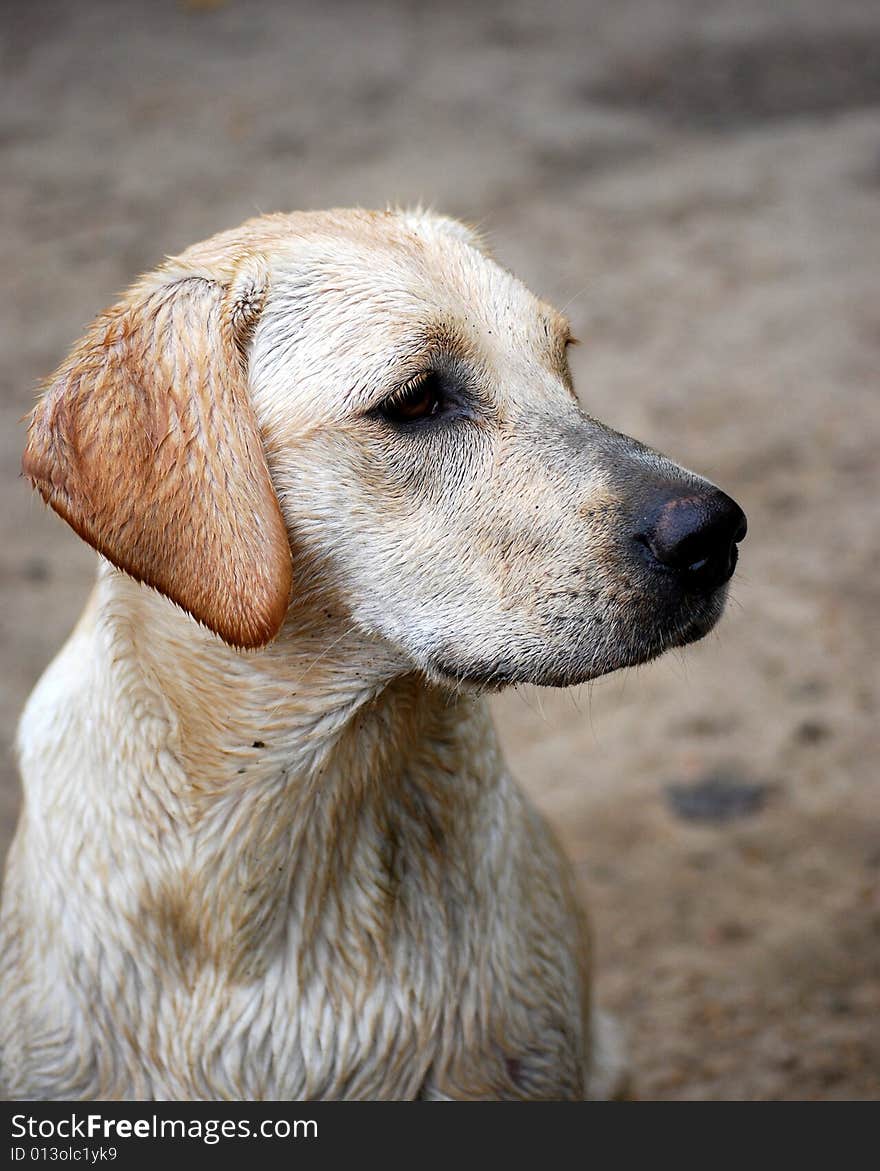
x=417, y=401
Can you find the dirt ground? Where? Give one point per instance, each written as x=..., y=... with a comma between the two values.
x=699, y=183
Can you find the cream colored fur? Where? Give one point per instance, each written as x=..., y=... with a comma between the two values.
x=302, y=870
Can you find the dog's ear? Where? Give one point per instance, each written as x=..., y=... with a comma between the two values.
x=145, y=441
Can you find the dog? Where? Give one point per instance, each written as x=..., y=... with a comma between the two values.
x=342, y=487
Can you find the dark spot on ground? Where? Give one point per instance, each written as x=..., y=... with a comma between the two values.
x=36, y=570
x=729, y=931
x=812, y=732
x=717, y=797
x=707, y=724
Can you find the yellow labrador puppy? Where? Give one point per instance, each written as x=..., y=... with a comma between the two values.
x=269, y=848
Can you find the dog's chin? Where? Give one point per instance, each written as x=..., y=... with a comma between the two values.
x=630, y=646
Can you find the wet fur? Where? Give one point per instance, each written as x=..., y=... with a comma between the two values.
x=269, y=847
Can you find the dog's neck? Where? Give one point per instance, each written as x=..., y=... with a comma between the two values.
x=283, y=774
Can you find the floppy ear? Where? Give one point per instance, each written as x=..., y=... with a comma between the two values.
x=145, y=441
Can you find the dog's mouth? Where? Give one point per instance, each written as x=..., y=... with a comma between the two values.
x=626, y=642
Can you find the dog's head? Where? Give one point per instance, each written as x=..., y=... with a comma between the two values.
x=366, y=405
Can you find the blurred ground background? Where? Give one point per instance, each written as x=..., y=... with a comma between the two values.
x=699, y=183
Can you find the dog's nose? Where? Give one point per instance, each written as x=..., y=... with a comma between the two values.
x=694, y=533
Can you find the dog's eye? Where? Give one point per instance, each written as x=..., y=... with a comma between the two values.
x=418, y=400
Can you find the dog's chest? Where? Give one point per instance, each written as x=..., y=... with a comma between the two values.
x=440, y=999
x=390, y=949
x=313, y=1042
x=402, y=1026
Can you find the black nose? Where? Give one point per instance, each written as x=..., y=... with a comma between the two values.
x=694, y=533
